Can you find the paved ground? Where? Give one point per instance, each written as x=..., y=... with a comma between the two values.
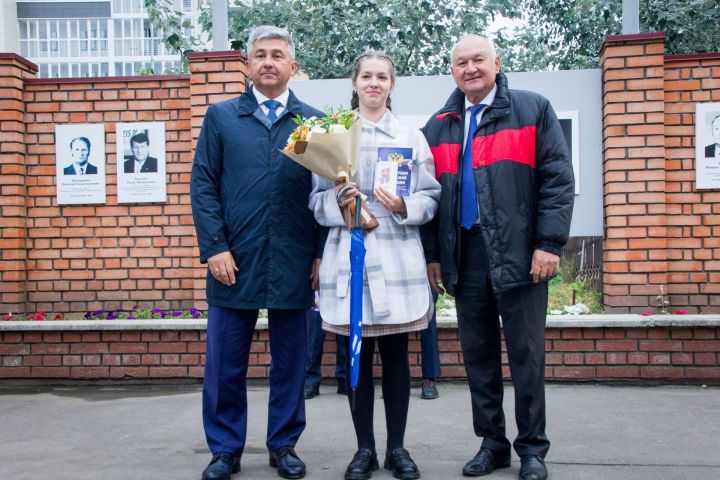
x=144, y=433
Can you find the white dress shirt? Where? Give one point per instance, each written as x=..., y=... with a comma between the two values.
x=283, y=99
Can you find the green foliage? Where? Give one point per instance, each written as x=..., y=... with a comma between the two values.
x=568, y=34
x=569, y=288
x=330, y=34
x=149, y=70
x=549, y=34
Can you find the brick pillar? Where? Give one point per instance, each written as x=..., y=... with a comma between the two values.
x=214, y=77
x=13, y=214
x=635, y=247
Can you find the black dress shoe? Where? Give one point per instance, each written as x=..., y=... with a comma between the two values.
x=362, y=465
x=221, y=467
x=429, y=390
x=532, y=467
x=287, y=463
x=401, y=465
x=342, y=389
x=485, y=462
x=311, y=391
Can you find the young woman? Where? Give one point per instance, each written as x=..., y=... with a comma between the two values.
x=396, y=293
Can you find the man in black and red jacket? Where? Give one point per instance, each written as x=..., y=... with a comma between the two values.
x=504, y=215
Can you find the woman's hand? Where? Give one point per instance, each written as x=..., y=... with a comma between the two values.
x=390, y=201
x=349, y=195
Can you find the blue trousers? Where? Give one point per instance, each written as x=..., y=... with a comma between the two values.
x=429, y=351
x=315, y=342
x=229, y=336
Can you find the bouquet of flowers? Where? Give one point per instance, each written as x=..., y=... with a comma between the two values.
x=327, y=146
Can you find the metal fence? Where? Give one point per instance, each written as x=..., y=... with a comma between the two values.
x=583, y=257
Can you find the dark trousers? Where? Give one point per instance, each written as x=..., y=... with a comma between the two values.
x=523, y=315
x=229, y=335
x=429, y=351
x=395, y=388
x=315, y=342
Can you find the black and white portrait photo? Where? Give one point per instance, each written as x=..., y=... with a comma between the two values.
x=141, y=162
x=80, y=163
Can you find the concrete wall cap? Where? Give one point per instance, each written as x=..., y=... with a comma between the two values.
x=553, y=321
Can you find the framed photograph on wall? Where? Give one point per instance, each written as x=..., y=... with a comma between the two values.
x=141, y=162
x=571, y=131
x=80, y=163
x=707, y=145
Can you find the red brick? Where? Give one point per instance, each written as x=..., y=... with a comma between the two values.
x=128, y=372
x=88, y=348
x=660, y=345
x=662, y=372
x=703, y=372
x=157, y=372
x=616, y=345
x=574, y=372
x=626, y=371
x=167, y=347
x=128, y=347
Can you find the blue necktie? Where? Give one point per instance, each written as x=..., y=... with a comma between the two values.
x=468, y=195
x=272, y=106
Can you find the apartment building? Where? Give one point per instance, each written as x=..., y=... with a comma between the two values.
x=95, y=38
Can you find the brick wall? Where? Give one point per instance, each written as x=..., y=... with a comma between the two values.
x=13, y=170
x=70, y=259
x=597, y=353
x=660, y=232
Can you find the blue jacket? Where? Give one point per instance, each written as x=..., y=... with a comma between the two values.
x=251, y=200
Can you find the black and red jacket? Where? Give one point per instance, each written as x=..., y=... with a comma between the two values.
x=524, y=181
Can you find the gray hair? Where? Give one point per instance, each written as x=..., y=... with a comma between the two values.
x=474, y=35
x=270, y=32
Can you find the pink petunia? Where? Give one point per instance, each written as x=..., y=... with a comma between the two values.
x=646, y=314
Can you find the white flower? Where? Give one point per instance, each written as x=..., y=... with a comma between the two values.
x=337, y=128
x=317, y=129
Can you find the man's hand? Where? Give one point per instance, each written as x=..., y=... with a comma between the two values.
x=544, y=265
x=315, y=274
x=222, y=267
x=435, y=277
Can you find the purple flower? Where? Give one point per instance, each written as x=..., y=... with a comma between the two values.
x=112, y=316
x=131, y=317
x=177, y=314
x=98, y=312
x=157, y=310
x=196, y=314
x=134, y=306
x=88, y=315
x=163, y=314
x=193, y=310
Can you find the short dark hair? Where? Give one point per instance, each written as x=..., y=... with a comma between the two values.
x=82, y=139
x=139, y=138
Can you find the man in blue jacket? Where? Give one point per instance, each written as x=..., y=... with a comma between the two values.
x=262, y=247
x=504, y=214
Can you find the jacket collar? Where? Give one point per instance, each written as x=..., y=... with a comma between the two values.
x=388, y=124
x=456, y=102
x=247, y=104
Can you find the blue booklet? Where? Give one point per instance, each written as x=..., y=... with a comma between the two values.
x=393, y=170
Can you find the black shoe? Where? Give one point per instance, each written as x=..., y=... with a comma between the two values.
x=311, y=391
x=532, y=467
x=342, y=389
x=401, y=465
x=485, y=462
x=221, y=467
x=429, y=390
x=287, y=463
x=362, y=465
